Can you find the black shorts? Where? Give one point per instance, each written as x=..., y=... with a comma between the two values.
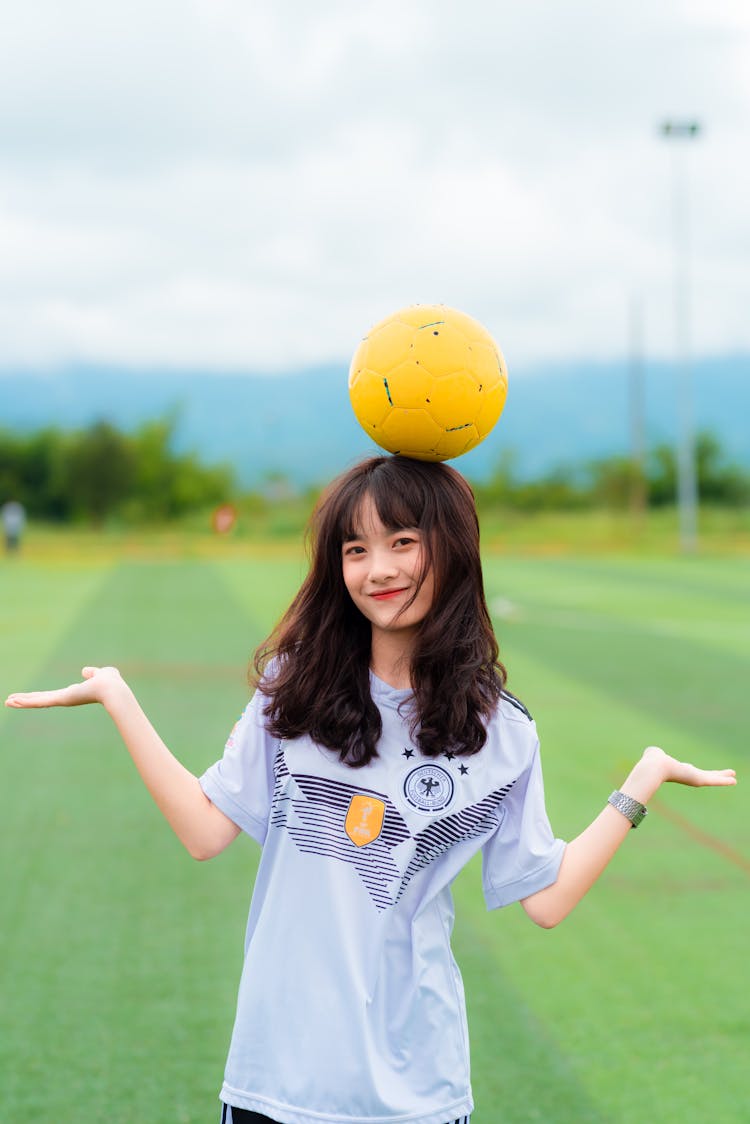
x=245, y=1116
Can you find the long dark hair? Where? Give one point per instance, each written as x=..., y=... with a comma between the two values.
x=321, y=647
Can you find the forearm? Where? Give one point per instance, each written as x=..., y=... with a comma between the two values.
x=588, y=855
x=199, y=826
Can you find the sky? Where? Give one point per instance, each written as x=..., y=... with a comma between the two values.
x=249, y=186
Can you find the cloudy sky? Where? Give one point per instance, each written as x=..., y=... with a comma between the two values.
x=250, y=185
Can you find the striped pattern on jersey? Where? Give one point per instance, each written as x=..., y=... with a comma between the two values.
x=442, y=834
x=516, y=703
x=315, y=820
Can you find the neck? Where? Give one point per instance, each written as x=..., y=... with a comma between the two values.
x=390, y=659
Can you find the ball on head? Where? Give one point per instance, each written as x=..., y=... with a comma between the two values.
x=428, y=382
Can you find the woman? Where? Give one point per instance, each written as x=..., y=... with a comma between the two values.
x=378, y=754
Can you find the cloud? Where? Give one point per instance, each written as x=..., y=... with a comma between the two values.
x=216, y=183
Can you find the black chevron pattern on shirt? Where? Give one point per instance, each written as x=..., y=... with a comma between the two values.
x=315, y=820
x=442, y=834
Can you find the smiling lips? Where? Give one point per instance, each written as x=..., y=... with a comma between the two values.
x=386, y=594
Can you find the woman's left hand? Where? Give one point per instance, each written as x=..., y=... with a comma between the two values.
x=682, y=772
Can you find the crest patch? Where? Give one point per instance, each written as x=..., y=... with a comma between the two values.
x=429, y=788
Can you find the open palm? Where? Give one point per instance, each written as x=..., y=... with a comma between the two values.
x=97, y=681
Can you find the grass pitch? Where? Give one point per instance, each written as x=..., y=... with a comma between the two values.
x=120, y=956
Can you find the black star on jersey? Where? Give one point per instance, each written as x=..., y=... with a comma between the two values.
x=408, y=753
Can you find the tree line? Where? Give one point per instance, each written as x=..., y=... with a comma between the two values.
x=97, y=473
x=94, y=473
x=619, y=482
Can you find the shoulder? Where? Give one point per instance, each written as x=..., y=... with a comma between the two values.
x=513, y=709
x=266, y=680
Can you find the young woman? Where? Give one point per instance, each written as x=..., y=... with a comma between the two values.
x=380, y=751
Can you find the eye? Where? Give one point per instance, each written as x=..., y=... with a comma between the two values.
x=405, y=540
x=353, y=549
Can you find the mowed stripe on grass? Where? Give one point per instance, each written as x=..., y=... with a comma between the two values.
x=642, y=979
x=38, y=603
x=120, y=956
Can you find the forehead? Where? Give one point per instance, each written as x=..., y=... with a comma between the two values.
x=368, y=519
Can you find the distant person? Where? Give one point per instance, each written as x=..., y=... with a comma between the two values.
x=14, y=520
x=380, y=752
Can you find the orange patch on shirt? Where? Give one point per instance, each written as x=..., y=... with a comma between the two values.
x=364, y=819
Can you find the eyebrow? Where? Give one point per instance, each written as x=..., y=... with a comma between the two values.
x=354, y=536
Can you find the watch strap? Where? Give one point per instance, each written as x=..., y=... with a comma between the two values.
x=632, y=809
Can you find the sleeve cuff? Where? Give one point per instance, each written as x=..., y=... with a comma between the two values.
x=254, y=827
x=498, y=896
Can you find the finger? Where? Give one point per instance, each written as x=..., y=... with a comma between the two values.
x=700, y=777
x=25, y=700
x=724, y=776
x=90, y=672
x=74, y=695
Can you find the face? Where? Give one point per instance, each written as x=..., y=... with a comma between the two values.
x=381, y=569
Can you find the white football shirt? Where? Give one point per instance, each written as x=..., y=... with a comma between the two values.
x=351, y=1007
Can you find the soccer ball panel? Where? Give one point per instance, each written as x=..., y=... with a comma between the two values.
x=369, y=396
x=457, y=442
x=387, y=345
x=493, y=401
x=487, y=365
x=454, y=400
x=441, y=348
x=414, y=430
x=409, y=386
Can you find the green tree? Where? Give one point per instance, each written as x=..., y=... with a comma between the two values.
x=44, y=472
x=563, y=488
x=718, y=482
x=99, y=472
x=167, y=484
x=11, y=475
x=616, y=482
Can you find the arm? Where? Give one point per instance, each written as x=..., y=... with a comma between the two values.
x=588, y=854
x=197, y=823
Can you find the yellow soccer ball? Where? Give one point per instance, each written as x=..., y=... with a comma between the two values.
x=428, y=382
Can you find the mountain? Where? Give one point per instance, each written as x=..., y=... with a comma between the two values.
x=301, y=424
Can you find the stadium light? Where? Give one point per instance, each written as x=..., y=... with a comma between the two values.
x=687, y=484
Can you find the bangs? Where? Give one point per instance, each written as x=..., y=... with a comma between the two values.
x=398, y=497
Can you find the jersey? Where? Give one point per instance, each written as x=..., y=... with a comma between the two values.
x=351, y=1007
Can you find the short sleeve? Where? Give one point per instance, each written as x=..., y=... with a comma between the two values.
x=523, y=855
x=241, y=783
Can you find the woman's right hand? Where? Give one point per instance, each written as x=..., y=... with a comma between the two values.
x=99, y=684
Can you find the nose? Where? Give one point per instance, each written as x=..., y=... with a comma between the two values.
x=383, y=566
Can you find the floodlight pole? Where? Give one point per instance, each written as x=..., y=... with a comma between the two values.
x=637, y=412
x=687, y=485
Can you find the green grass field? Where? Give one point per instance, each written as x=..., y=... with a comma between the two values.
x=120, y=956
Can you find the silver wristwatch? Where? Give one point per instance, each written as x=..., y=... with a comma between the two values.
x=632, y=809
